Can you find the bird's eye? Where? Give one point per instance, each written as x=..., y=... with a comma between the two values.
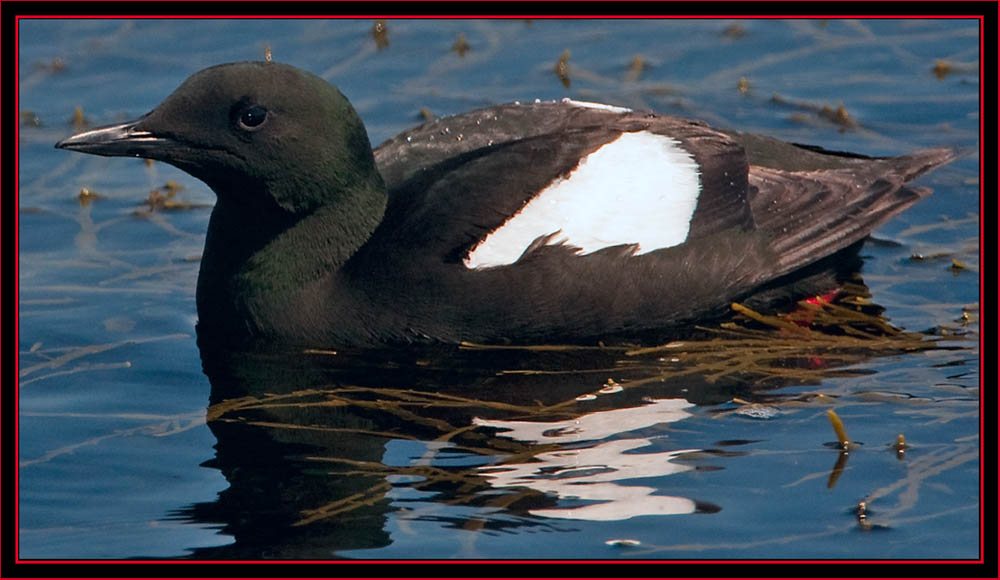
x=253, y=117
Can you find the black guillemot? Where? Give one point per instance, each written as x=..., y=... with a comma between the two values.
x=557, y=221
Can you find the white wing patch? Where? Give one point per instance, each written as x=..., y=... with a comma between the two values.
x=641, y=188
x=590, y=105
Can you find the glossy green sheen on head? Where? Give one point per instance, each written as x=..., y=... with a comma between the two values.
x=252, y=126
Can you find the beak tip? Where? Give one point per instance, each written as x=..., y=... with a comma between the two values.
x=123, y=140
x=75, y=142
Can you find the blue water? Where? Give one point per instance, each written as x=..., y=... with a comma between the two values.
x=116, y=459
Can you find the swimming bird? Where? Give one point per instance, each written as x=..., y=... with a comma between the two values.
x=560, y=221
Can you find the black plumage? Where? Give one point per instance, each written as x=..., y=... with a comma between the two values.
x=317, y=240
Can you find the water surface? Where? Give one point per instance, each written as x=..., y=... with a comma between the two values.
x=704, y=450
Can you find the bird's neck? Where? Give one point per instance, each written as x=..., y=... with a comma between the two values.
x=262, y=266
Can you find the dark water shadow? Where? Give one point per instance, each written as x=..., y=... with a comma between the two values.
x=536, y=437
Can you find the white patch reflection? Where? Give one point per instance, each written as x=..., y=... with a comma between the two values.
x=592, y=470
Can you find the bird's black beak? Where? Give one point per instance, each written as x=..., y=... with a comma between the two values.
x=122, y=140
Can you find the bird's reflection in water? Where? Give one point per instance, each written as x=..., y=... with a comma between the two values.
x=320, y=448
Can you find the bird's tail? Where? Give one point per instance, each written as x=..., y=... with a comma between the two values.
x=812, y=214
